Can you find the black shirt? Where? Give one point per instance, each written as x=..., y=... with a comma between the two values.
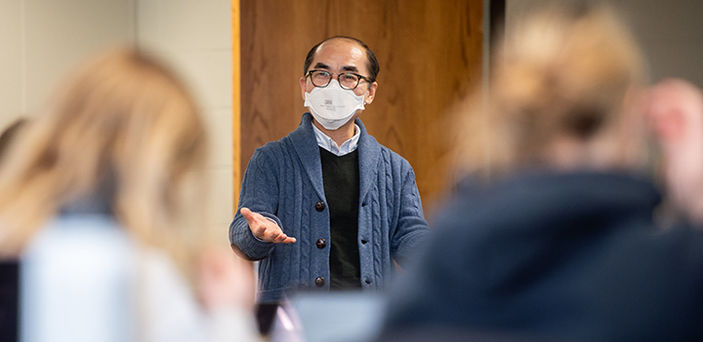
x=340, y=176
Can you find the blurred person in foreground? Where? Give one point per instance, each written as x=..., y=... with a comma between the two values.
x=9, y=269
x=98, y=203
x=555, y=238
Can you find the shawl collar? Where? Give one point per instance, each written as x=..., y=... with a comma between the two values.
x=303, y=139
x=369, y=152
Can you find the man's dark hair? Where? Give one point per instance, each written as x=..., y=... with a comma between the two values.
x=372, y=62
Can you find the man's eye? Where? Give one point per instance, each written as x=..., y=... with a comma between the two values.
x=349, y=77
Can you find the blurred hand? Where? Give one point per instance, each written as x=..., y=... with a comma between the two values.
x=265, y=229
x=225, y=280
x=676, y=115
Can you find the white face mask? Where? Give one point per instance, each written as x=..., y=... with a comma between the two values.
x=333, y=106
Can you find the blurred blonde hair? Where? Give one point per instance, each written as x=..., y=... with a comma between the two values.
x=122, y=127
x=564, y=71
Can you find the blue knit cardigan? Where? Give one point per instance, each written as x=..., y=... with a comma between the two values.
x=283, y=182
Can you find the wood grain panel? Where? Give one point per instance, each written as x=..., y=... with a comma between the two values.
x=429, y=52
x=236, y=103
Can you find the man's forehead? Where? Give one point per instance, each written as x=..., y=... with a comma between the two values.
x=340, y=49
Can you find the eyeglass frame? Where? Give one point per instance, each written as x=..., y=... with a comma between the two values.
x=361, y=77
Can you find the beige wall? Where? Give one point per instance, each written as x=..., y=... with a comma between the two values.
x=196, y=38
x=42, y=40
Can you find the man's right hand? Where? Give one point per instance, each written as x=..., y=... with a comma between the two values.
x=265, y=229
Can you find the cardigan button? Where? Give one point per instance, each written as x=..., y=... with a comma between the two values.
x=320, y=282
x=321, y=243
x=320, y=206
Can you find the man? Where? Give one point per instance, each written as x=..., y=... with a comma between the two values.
x=327, y=206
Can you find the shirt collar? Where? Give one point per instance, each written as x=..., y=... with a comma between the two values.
x=328, y=144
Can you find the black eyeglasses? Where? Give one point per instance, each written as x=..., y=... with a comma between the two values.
x=347, y=80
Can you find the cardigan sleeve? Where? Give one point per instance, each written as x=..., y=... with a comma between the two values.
x=412, y=227
x=259, y=193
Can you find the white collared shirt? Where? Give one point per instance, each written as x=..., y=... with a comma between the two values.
x=328, y=144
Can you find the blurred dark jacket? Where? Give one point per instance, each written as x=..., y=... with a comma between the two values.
x=565, y=256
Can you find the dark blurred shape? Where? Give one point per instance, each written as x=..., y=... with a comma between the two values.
x=265, y=315
x=554, y=238
x=9, y=300
x=571, y=256
x=445, y=334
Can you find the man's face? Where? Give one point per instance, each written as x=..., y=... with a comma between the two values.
x=338, y=56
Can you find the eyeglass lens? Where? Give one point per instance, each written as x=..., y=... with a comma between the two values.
x=322, y=78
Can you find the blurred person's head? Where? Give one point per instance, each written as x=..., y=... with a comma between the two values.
x=561, y=95
x=122, y=132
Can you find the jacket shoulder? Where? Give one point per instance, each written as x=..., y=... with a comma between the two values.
x=273, y=150
x=394, y=159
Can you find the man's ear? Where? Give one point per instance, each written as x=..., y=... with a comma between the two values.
x=371, y=93
x=302, y=87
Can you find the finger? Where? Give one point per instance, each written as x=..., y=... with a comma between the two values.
x=268, y=232
x=280, y=238
x=288, y=240
x=273, y=236
x=283, y=238
x=274, y=233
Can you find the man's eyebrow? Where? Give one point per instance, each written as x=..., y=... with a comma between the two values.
x=321, y=66
x=350, y=68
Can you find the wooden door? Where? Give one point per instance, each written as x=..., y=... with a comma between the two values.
x=429, y=52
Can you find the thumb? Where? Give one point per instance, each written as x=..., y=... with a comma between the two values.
x=248, y=215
